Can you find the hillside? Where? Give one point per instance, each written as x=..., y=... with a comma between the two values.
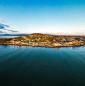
x=44, y=40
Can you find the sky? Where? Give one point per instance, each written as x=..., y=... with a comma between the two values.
x=44, y=16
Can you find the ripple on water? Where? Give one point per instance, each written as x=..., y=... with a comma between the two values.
x=42, y=66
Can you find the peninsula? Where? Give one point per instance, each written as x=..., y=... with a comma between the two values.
x=44, y=40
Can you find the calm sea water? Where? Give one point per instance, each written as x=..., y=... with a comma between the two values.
x=9, y=36
x=23, y=66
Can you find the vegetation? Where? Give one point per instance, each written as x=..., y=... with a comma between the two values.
x=44, y=40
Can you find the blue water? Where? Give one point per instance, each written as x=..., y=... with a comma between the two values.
x=9, y=36
x=26, y=66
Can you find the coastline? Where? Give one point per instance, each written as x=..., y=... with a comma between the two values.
x=42, y=46
x=44, y=40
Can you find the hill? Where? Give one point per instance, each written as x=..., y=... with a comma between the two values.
x=44, y=40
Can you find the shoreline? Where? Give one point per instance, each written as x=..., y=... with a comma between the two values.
x=42, y=46
x=44, y=40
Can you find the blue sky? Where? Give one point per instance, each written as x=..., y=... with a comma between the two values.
x=45, y=16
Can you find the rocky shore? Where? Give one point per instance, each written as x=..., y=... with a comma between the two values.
x=44, y=40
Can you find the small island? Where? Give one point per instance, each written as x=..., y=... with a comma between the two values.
x=44, y=40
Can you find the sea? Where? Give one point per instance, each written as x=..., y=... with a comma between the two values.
x=9, y=36
x=37, y=66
